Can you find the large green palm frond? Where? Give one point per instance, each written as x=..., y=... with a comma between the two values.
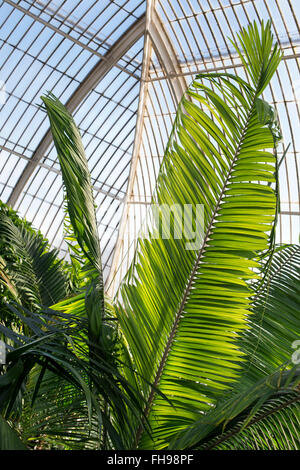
x=182, y=310
x=274, y=326
x=82, y=232
x=31, y=271
x=253, y=418
x=271, y=340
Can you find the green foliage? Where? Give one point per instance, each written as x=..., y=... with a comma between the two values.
x=183, y=312
x=275, y=323
x=195, y=350
x=63, y=380
x=269, y=384
x=275, y=427
x=76, y=177
x=80, y=204
x=9, y=440
x=241, y=413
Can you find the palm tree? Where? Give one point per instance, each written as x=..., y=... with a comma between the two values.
x=194, y=351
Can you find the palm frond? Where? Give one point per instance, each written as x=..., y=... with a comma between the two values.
x=33, y=269
x=275, y=427
x=268, y=342
x=9, y=439
x=275, y=323
x=55, y=414
x=93, y=388
x=76, y=178
x=79, y=200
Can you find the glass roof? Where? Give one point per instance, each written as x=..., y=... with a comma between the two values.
x=121, y=67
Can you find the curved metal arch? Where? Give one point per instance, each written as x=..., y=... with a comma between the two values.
x=105, y=64
x=157, y=37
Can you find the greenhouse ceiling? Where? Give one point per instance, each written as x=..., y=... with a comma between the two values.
x=121, y=67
